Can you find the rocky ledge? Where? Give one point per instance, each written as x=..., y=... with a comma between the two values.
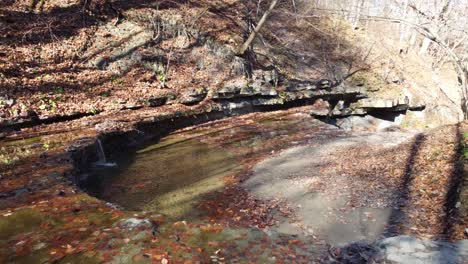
x=363, y=106
x=262, y=89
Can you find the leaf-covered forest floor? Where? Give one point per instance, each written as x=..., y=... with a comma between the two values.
x=48, y=58
x=45, y=218
x=63, y=61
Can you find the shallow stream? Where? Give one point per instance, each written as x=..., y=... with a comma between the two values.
x=169, y=177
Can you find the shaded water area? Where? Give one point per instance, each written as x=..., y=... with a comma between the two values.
x=46, y=218
x=169, y=177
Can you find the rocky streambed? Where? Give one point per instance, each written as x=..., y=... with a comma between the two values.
x=269, y=187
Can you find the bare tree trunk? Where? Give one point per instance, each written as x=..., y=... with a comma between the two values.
x=257, y=29
x=413, y=38
x=425, y=46
x=403, y=28
x=359, y=6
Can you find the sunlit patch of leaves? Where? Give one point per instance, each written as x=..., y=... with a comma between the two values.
x=48, y=103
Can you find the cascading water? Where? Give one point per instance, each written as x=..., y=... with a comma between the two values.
x=102, y=160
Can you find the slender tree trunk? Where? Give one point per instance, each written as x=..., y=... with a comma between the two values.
x=359, y=7
x=257, y=29
x=425, y=46
x=404, y=28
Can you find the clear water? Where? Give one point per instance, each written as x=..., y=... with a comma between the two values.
x=170, y=177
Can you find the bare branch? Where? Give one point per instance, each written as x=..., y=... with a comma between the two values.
x=259, y=26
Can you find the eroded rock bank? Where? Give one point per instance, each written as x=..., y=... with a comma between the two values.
x=45, y=156
x=84, y=92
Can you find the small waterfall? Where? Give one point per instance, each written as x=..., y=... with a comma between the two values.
x=102, y=161
x=100, y=152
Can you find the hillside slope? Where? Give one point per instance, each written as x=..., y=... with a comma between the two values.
x=63, y=61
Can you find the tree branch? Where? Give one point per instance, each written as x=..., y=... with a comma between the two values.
x=257, y=29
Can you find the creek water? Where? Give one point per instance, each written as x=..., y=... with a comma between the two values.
x=169, y=177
